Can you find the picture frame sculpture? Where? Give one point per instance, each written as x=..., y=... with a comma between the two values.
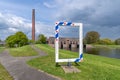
x=80, y=57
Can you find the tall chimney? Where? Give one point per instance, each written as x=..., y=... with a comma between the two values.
x=33, y=24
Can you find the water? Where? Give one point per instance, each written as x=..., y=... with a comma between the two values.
x=107, y=52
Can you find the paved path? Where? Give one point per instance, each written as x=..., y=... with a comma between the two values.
x=18, y=68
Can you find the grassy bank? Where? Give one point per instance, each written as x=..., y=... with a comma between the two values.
x=93, y=68
x=4, y=75
x=108, y=46
x=23, y=51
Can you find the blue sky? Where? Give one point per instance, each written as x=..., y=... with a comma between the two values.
x=96, y=15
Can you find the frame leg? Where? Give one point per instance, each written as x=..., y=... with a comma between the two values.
x=57, y=65
x=69, y=64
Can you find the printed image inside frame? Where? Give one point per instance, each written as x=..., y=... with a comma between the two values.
x=80, y=57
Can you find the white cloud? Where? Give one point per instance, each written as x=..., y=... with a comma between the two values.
x=42, y=28
x=98, y=15
x=13, y=29
x=104, y=13
x=48, y=5
x=10, y=24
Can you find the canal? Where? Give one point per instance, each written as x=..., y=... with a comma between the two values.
x=107, y=52
x=102, y=51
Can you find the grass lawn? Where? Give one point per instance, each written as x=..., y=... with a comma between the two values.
x=108, y=46
x=1, y=49
x=23, y=51
x=64, y=54
x=93, y=67
x=4, y=75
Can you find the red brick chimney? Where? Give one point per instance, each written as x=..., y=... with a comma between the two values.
x=33, y=24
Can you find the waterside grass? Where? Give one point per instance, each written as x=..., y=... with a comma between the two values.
x=92, y=68
x=107, y=46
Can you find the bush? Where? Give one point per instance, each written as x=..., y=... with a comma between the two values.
x=106, y=41
x=117, y=41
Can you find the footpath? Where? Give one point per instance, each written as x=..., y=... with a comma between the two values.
x=19, y=70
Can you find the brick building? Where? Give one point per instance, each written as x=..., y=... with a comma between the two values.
x=64, y=42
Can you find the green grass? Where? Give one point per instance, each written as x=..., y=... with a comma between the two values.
x=93, y=67
x=23, y=51
x=67, y=54
x=1, y=49
x=108, y=46
x=4, y=75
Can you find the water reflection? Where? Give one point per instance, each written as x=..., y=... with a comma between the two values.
x=108, y=52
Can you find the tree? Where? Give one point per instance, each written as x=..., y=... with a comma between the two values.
x=41, y=39
x=92, y=37
x=10, y=40
x=18, y=39
x=117, y=41
x=21, y=38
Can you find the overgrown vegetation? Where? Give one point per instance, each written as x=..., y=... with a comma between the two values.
x=93, y=67
x=23, y=51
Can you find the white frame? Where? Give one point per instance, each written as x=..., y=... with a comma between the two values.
x=80, y=58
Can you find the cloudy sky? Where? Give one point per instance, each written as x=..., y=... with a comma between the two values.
x=96, y=15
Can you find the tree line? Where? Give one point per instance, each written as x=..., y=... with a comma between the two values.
x=20, y=39
x=93, y=37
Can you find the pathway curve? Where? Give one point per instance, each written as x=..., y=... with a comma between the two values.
x=18, y=68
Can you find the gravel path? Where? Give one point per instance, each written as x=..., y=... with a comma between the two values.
x=18, y=68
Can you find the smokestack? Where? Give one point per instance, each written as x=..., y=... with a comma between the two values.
x=33, y=24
